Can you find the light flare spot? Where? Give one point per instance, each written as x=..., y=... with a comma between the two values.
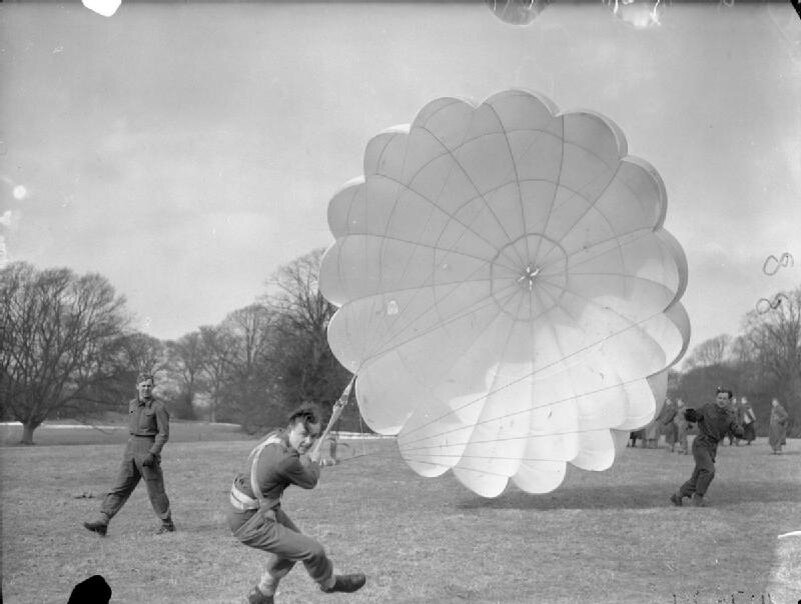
x=19, y=192
x=106, y=8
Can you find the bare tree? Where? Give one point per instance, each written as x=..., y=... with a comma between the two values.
x=143, y=353
x=59, y=334
x=249, y=390
x=219, y=346
x=303, y=361
x=774, y=339
x=185, y=362
x=710, y=352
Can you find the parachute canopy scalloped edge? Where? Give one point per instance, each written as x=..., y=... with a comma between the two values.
x=508, y=297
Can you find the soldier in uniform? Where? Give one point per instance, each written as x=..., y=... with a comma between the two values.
x=777, y=429
x=715, y=421
x=257, y=520
x=749, y=421
x=149, y=426
x=682, y=427
x=666, y=424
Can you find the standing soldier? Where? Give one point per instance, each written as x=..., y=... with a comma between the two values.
x=715, y=421
x=257, y=520
x=652, y=434
x=149, y=426
x=777, y=429
x=666, y=424
x=328, y=450
x=738, y=415
x=749, y=421
x=682, y=427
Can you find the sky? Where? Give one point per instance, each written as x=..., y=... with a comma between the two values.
x=188, y=150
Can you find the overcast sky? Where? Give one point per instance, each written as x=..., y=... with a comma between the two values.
x=186, y=151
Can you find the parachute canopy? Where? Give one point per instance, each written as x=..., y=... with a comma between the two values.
x=508, y=297
x=517, y=12
x=640, y=14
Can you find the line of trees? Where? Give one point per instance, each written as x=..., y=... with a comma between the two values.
x=67, y=351
x=762, y=362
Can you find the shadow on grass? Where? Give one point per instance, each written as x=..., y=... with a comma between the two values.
x=635, y=496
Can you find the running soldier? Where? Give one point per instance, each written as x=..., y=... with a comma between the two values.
x=715, y=421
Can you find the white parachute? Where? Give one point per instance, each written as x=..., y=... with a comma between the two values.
x=507, y=295
x=517, y=12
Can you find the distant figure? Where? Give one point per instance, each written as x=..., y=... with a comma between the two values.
x=777, y=431
x=667, y=425
x=256, y=518
x=715, y=421
x=149, y=427
x=749, y=421
x=633, y=436
x=738, y=414
x=652, y=434
x=93, y=590
x=682, y=427
x=328, y=449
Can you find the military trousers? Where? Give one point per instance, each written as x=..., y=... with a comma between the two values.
x=273, y=532
x=703, y=473
x=130, y=473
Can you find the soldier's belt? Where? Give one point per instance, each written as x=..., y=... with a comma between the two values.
x=241, y=501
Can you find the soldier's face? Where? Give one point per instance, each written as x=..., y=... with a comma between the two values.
x=145, y=389
x=302, y=436
x=722, y=399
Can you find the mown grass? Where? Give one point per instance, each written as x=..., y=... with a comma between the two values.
x=71, y=433
x=601, y=537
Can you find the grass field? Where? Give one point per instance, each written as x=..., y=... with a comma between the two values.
x=601, y=537
x=72, y=433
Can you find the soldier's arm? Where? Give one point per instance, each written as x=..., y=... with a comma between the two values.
x=163, y=426
x=304, y=475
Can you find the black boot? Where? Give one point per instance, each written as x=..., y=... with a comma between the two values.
x=347, y=583
x=698, y=501
x=256, y=597
x=166, y=527
x=676, y=499
x=98, y=526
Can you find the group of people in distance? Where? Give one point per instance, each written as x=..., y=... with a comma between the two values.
x=673, y=424
x=255, y=516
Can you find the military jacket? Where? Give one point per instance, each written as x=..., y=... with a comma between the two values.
x=149, y=418
x=278, y=467
x=715, y=423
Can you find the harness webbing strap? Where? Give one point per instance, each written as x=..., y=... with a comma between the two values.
x=272, y=439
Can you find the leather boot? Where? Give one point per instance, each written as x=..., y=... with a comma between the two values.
x=256, y=597
x=347, y=583
x=166, y=527
x=97, y=526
